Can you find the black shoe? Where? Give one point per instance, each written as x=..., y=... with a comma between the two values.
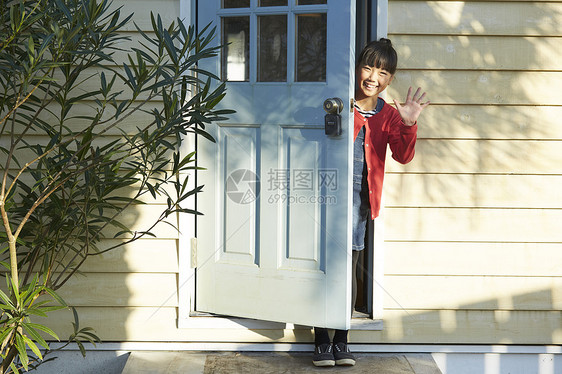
x=342, y=355
x=323, y=355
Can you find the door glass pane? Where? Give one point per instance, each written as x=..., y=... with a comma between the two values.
x=272, y=48
x=311, y=48
x=273, y=2
x=311, y=2
x=235, y=3
x=235, y=64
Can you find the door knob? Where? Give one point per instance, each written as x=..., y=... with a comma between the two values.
x=333, y=105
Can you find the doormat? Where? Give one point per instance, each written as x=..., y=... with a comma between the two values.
x=283, y=362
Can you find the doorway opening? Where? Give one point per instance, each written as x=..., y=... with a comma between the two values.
x=364, y=302
x=366, y=31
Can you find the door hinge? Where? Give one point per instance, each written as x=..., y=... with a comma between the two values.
x=193, y=253
x=351, y=105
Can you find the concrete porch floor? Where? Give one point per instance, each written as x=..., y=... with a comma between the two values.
x=272, y=362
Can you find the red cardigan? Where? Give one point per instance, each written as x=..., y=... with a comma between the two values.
x=386, y=127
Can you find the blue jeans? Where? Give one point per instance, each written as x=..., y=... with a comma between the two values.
x=361, y=206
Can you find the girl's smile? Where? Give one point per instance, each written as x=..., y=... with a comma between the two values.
x=371, y=81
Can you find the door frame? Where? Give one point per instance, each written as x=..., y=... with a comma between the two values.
x=373, y=25
x=188, y=318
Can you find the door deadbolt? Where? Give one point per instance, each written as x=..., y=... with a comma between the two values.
x=332, y=119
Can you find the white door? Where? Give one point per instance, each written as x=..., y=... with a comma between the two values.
x=274, y=242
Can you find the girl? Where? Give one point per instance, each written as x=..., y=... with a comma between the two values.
x=376, y=125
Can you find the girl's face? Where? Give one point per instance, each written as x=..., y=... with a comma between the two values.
x=371, y=81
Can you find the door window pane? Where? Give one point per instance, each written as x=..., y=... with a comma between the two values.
x=273, y=2
x=236, y=51
x=235, y=3
x=272, y=48
x=311, y=2
x=311, y=48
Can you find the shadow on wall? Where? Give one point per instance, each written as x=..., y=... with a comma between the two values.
x=486, y=322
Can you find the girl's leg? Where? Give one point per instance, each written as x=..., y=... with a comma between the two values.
x=321, y=336
x=326, y=354
x=323, y=350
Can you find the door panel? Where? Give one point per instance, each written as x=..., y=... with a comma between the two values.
x=303, y=243
x=239, y=221
x=274, y=243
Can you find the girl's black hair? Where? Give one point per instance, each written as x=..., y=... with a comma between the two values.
x=380, y=54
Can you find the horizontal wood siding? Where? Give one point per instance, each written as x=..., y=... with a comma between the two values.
x=473, y=246
x=503, y=18
x=465, y=259
x=472, y=225
x=498, y=122
x=169, y=11
x=157, y=324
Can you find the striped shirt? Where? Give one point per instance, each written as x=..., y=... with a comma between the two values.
x=370, y=113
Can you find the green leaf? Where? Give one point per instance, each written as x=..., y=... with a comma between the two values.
x=43, y=328
x=169, y=44
x=190, y=211
x=62, y=6
x=14, y=368
x=76, y=320
x=121, y=233
x=31, y=48
x=151, y=189
x=55, y=296
x=84, y=145
x=82, y=349
x=22, y=351
x=6, y=331
x=103, y=83
x=36, y=312
x=204, y=134
x=15, y=292
x=30, y=329
x=5, y=307
x=45, y=44
x=33, y=347
x=131, y=78
x=6, y=299
x=54, y=308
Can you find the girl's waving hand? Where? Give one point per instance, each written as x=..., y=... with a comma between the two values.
x=412, y=108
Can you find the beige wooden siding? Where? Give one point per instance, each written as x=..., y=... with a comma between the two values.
x=169, y=11
x=472, y=225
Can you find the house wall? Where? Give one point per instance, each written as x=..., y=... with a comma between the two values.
x=472, y=238
x=472, y=225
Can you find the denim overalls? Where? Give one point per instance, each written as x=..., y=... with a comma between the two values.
x=361, y=206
